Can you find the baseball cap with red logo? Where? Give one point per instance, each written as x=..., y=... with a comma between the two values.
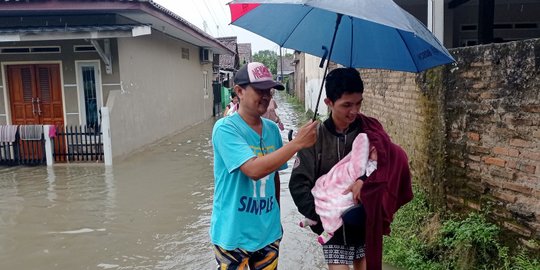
x=257, y=75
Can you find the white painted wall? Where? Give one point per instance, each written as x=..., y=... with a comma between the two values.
x=314, y=76
x=435, y=18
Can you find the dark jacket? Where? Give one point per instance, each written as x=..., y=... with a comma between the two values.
x=383, y=192
x=315, y=161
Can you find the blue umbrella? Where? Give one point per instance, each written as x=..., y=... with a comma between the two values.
x=354, y=33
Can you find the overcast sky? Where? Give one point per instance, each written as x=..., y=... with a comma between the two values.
x=214, y=16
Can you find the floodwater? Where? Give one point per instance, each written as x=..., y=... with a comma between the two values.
x=149, y=211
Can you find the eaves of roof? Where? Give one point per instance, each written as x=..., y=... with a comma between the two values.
x=15, y=34
x=142, y=11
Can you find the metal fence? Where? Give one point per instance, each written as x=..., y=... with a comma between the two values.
x=70, y=144
x=78, y=144
x=22, y=152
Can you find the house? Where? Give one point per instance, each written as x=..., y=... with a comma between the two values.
x=228, y=64
x=456, y=23
x=62, y=60
x=285, y=71
x=245, y=55
x=460, y=23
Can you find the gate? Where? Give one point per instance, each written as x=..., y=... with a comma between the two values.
x=68, y=144
x=78, y=144
x=23, y=152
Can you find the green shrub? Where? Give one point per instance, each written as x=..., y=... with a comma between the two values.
x=524, y=261
x=421, y=240
x=473, y=243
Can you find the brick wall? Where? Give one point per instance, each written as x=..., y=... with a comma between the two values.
x=472, y=129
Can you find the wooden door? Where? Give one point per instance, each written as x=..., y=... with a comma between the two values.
x=49, y=98
x=22, y=94
x=35, y=94
x=35, y=97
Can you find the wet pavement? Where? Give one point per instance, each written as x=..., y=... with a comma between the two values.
x=149, y=211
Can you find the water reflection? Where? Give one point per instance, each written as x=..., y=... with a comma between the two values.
x=51, y=178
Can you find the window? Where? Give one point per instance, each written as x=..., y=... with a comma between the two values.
x=84, y=48
x=45, y=50
x=185, y=53
x=205, y=83
x=525, y=25
x=90, y=96
x=26, y=50
x=15, y=50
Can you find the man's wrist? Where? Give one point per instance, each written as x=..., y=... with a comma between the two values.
x=296, y=146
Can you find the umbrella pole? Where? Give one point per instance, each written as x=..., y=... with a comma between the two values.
x=338, y=21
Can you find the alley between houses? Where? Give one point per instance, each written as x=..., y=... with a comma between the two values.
x=150, y=211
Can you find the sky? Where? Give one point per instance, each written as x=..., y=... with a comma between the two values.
x=213, y=16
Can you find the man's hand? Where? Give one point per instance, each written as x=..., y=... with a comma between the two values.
x=307, y=135
x=355, y=188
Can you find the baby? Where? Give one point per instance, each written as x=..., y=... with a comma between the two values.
x=330, y=202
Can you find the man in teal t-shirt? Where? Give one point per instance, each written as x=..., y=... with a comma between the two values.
x=248, y=151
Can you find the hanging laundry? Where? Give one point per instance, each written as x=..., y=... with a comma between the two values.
x=52, y=131
x=8, y=133
x=31, y=132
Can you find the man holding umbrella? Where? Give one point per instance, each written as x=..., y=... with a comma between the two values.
x=245, y=227
x=344, y=96
x=365, y=34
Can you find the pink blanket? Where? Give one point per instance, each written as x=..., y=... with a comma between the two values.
x=330, y=202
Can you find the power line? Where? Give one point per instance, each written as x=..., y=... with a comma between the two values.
x=210, y=12
x=227, y=15
x=202, y=17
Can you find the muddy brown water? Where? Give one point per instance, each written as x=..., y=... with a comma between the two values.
x=149, y=211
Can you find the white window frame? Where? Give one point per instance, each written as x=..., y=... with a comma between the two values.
x=80, y=88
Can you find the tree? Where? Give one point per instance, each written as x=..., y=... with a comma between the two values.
x=268, y=58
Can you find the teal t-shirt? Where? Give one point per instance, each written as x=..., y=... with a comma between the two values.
x=245, y=213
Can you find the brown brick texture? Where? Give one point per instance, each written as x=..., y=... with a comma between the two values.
x=471, y=129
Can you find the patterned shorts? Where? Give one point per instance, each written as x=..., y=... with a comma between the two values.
x=239, y=259
x=340, y=254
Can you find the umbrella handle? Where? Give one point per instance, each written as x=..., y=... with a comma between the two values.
x=289, y=136
x=321, y=65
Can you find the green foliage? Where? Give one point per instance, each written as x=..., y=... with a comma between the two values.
x=420, y=240
x=268, y=58
x=473, y=242
x=523, y=261
x=405, y=248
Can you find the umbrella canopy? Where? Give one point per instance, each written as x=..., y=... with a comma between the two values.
x=372, y=33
